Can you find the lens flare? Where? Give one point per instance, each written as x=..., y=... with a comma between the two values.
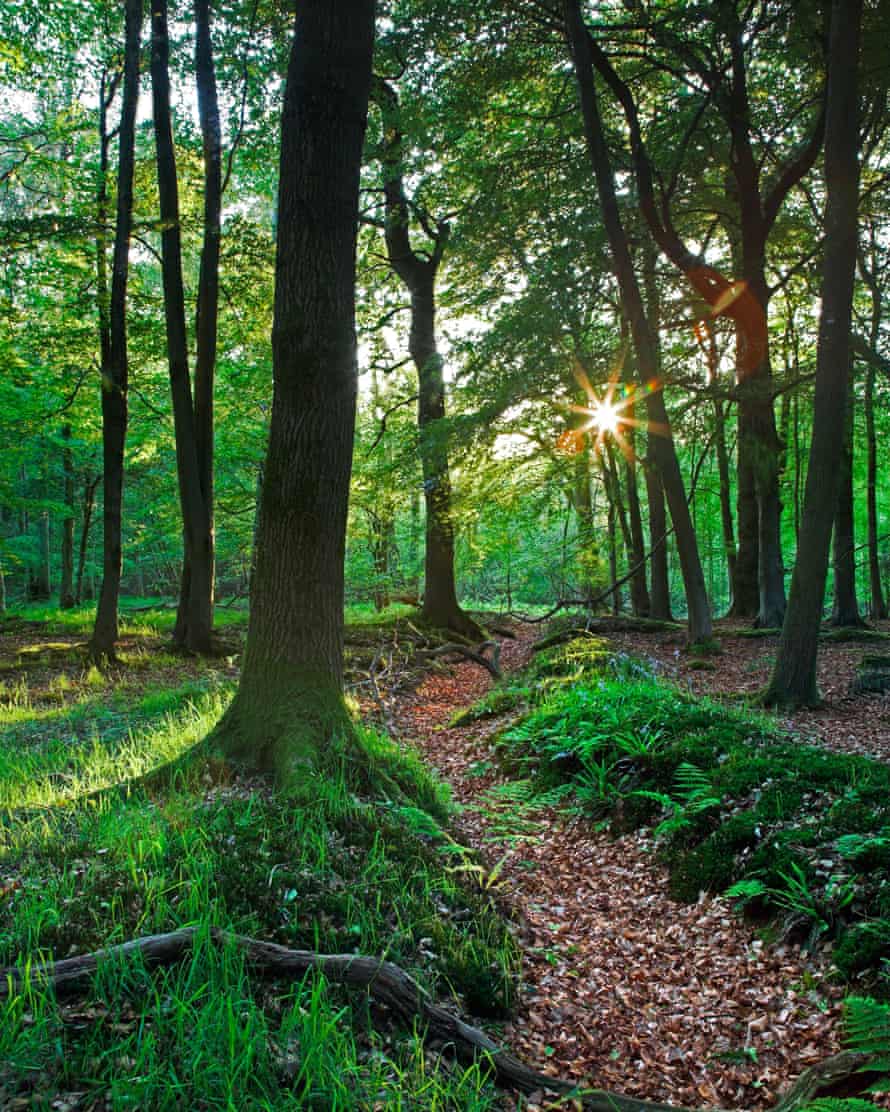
x=609, y=414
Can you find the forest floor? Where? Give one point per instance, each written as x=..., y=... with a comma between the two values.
x=666, y=1001
x=621, y=985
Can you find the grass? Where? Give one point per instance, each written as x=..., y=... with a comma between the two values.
x=799, y=834
x=333, y=872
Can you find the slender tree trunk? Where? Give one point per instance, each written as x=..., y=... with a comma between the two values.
x=645, y=342
x=582, y=505
x=878, y=604
x=115, y=382
x=639, y=592
x=89, y=501
x=289, y=703
x=794, y=676
x=729, y=548
x=195, y=612
x=66, y=586
x=41, y=588
x=660, y=586
x=418, y=273
x=846, y=608
x=197, y=582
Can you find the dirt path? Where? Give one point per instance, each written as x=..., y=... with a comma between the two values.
x=624, y=987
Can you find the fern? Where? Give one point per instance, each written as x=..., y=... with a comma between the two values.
x=867, y=1027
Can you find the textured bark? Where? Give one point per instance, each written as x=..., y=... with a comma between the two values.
x=289, y=702
x=794, y=676
x=418, y=272
x=845, y=611
x=115, y=376
x=195, y=620
x=644, y=340
x=66, y=584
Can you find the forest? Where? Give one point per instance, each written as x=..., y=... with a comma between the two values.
x=445, y=555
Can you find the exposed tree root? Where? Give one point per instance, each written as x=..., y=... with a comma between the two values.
x=389, y=984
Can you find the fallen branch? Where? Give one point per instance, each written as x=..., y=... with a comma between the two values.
x=390, y=985
x=452, y=647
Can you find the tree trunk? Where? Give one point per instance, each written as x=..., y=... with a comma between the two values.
x=194, y=618
x=794, y=676
x=89, y=501
x=66, y=586
x=194, y=626
x=878, y=603
x=660, y=585
x=289, y=702
x=115, y=378
x=41, y=586
x=729, y=548
x=846, y=609
x=440, y=605
x=583, y=507
x=645, y=342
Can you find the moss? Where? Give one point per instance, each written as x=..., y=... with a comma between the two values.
x=865, y=946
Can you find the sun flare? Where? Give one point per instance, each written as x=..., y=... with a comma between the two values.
x=609, y=415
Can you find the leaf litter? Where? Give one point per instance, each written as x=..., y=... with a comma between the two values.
x=624, y=988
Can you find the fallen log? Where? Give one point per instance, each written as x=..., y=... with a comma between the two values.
x=390, y=985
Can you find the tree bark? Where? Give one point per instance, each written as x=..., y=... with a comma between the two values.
x=115, y=378
x=418, y=273
x=644, y=340
x=794, y=676
x=194, y=626
x=66, y=584
x=845, y=611
x=289, y=703
x=194, y=618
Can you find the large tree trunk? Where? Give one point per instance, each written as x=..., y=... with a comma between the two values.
x=115, y=380
x=645, y=342
x=845, y=611
x=194, y=627
x=418, y=273
x=794, y=676
x=289, y=702
x=66, y=584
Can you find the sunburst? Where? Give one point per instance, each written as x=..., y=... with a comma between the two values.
x=612, y=412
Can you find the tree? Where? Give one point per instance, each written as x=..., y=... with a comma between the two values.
x=115, y=382
x=794, y=675
x=644, y=340
x=418, y=272
x=289, y=700
x=195, y=619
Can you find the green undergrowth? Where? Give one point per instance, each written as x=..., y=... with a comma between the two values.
x=799, y=835
x=334, y=871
